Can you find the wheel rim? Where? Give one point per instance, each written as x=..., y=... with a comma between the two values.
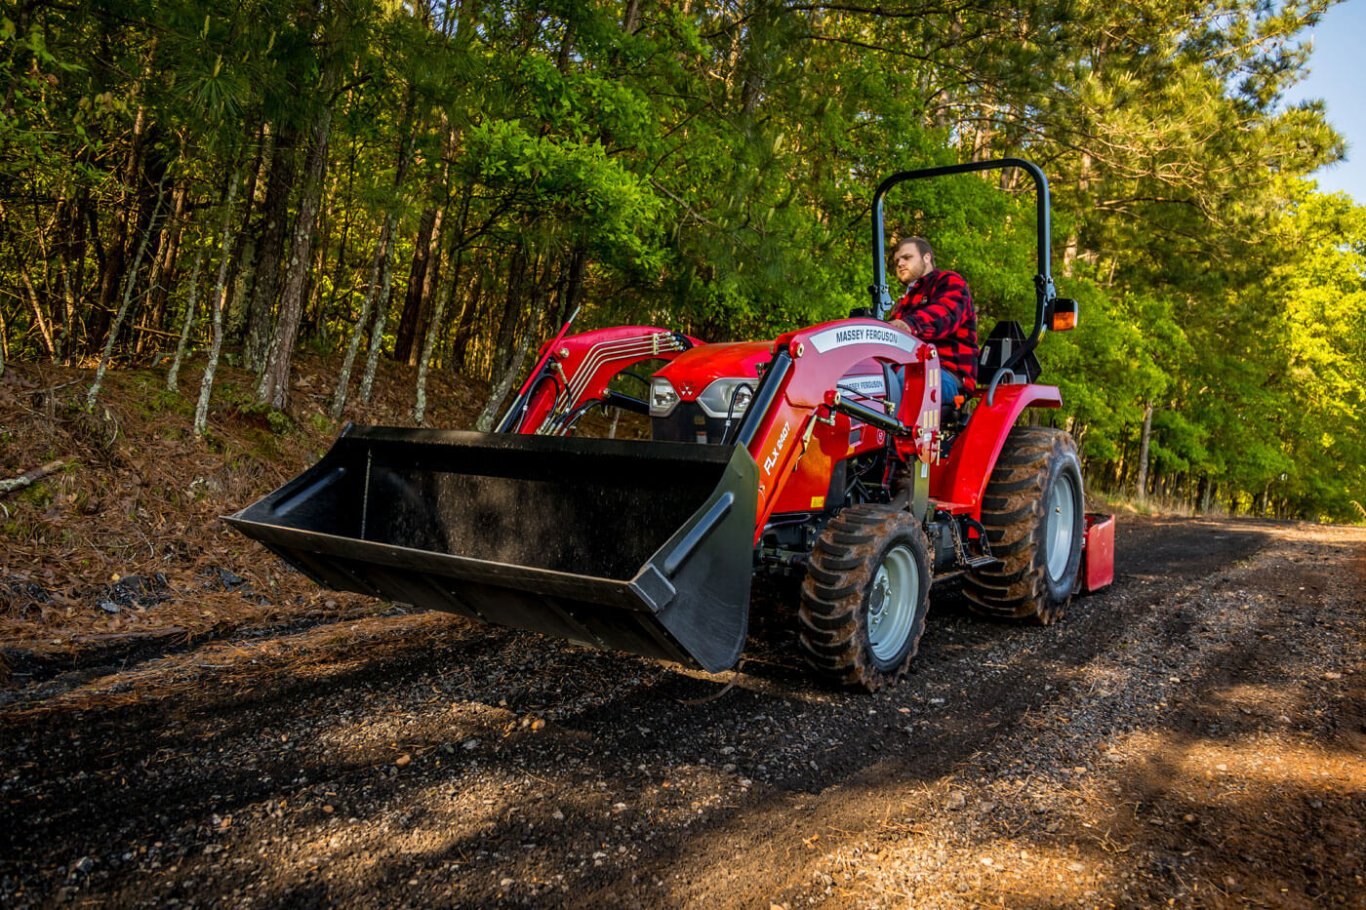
x=1060, y=531
x=891, y=603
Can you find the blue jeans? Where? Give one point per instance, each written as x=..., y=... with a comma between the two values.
x=948, y=387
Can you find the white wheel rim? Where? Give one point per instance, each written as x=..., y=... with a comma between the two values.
x=892, y=600
x=1060, y=528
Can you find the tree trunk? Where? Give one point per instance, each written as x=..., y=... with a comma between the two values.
x=112, y=271
x=464, y=326
x=270, y=248
x=44, y=328
x=381, y=271
x=173, y=375
x=347, y=203
x=507, y=324
x=1143, y=453
x=163, y=267
x=429, y=343
x=573, y=285
x=129, y=281
x=433, y=332
x=430, y=282
x=367, y=382
x=42, y=236
x=379, y=276
x=220, y=305
x=425, y=256
x=500, y=391
x=260, y=139
x=311, y=324
x=436, y=324
x=273, y=390
x=507, y=356
x=1071, y=249
x=73, y=256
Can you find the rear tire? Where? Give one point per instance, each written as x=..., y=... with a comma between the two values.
x=865, y=596
x=1034, y=513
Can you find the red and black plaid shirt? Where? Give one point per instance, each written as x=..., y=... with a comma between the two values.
x=938, y=308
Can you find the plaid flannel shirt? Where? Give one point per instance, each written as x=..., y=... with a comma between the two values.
x=938, y=308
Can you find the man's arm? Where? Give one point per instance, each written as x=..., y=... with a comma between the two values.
x=942, y=313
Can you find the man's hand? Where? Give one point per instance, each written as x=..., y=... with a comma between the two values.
x=901, y=324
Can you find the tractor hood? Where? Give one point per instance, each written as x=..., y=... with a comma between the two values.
x=693, y=370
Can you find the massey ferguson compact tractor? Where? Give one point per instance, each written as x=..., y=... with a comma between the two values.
x=825, y=455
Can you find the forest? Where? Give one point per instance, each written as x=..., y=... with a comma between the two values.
x=186, y=183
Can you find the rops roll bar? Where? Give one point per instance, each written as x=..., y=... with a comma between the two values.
x=1044, y=292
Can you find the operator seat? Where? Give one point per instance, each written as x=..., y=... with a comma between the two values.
x=1005, y=340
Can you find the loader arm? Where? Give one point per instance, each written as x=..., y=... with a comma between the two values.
x=807, y=366
x=574, y=371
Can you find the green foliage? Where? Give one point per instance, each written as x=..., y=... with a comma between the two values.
x=280, y=423
x=710, y=166
x=320, y=424
x=38, y=495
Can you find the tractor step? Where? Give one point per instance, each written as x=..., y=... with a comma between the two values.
x=981, y=562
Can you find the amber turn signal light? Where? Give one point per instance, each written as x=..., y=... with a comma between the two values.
x=1064, y=316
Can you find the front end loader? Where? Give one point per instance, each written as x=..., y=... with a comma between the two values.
x=825, y=455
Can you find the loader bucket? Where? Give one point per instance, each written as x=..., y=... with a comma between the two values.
x=640, y=546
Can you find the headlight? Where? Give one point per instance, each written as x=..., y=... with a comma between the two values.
x=663, y=398
x=716, y=400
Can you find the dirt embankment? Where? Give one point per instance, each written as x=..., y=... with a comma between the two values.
x=119, y=553
x=1194, y=735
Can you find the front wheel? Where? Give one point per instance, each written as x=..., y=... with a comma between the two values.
x=1034, y=513
x=865, y=596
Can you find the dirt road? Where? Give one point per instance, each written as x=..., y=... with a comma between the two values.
x=1194, y=735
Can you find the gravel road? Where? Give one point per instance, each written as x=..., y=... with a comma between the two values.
x=1193, y=735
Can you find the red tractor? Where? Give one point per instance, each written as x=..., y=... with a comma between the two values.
x=825, y=455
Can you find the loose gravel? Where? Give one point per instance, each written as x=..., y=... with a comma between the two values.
x=1194, y=735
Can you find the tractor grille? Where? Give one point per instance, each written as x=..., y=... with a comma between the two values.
x=688, y=423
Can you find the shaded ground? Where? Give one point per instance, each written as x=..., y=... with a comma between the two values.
x=1193, y=735
x=120, y=555
x=184, y=721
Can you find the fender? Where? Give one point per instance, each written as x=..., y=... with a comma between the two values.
x=962, y=479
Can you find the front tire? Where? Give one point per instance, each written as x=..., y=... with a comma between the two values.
x=865, y=596
x=1035, y=516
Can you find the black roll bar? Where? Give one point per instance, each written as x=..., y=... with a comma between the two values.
x=1044, y=292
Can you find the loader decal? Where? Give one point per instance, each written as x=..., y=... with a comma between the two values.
x=864, y=385
x=772, y=460
x=830, y=339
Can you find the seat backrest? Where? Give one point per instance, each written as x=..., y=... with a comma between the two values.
x=1004, y=341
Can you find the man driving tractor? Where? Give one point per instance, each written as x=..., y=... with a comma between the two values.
x=937, y=308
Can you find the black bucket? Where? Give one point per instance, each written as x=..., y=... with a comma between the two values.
x=640, y=546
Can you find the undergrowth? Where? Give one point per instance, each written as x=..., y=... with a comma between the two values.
x=140, y=496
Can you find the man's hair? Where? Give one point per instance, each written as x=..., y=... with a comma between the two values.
x=921, y=244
